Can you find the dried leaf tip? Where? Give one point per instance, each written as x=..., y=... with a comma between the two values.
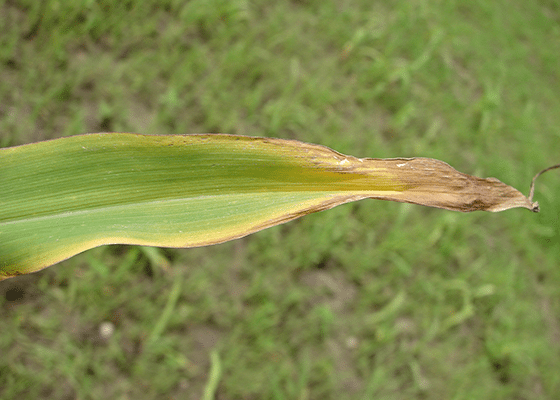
x=535, y=204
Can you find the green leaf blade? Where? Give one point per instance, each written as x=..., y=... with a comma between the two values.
x=61, y=197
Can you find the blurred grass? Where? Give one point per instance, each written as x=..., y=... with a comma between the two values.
x=368, y=300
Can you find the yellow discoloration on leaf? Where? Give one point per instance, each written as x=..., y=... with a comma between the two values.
x=64, y=196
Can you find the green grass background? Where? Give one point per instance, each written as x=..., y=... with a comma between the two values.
x=372, y=300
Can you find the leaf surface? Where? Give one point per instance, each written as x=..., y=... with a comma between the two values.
x=61, y=197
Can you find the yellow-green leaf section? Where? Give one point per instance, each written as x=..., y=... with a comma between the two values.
x=61, y=197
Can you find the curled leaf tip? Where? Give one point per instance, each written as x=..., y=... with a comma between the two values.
x=535, y=204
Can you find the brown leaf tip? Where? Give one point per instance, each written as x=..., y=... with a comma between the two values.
x=535, y=205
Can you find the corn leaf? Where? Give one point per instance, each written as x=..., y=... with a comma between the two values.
x=61, y=197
